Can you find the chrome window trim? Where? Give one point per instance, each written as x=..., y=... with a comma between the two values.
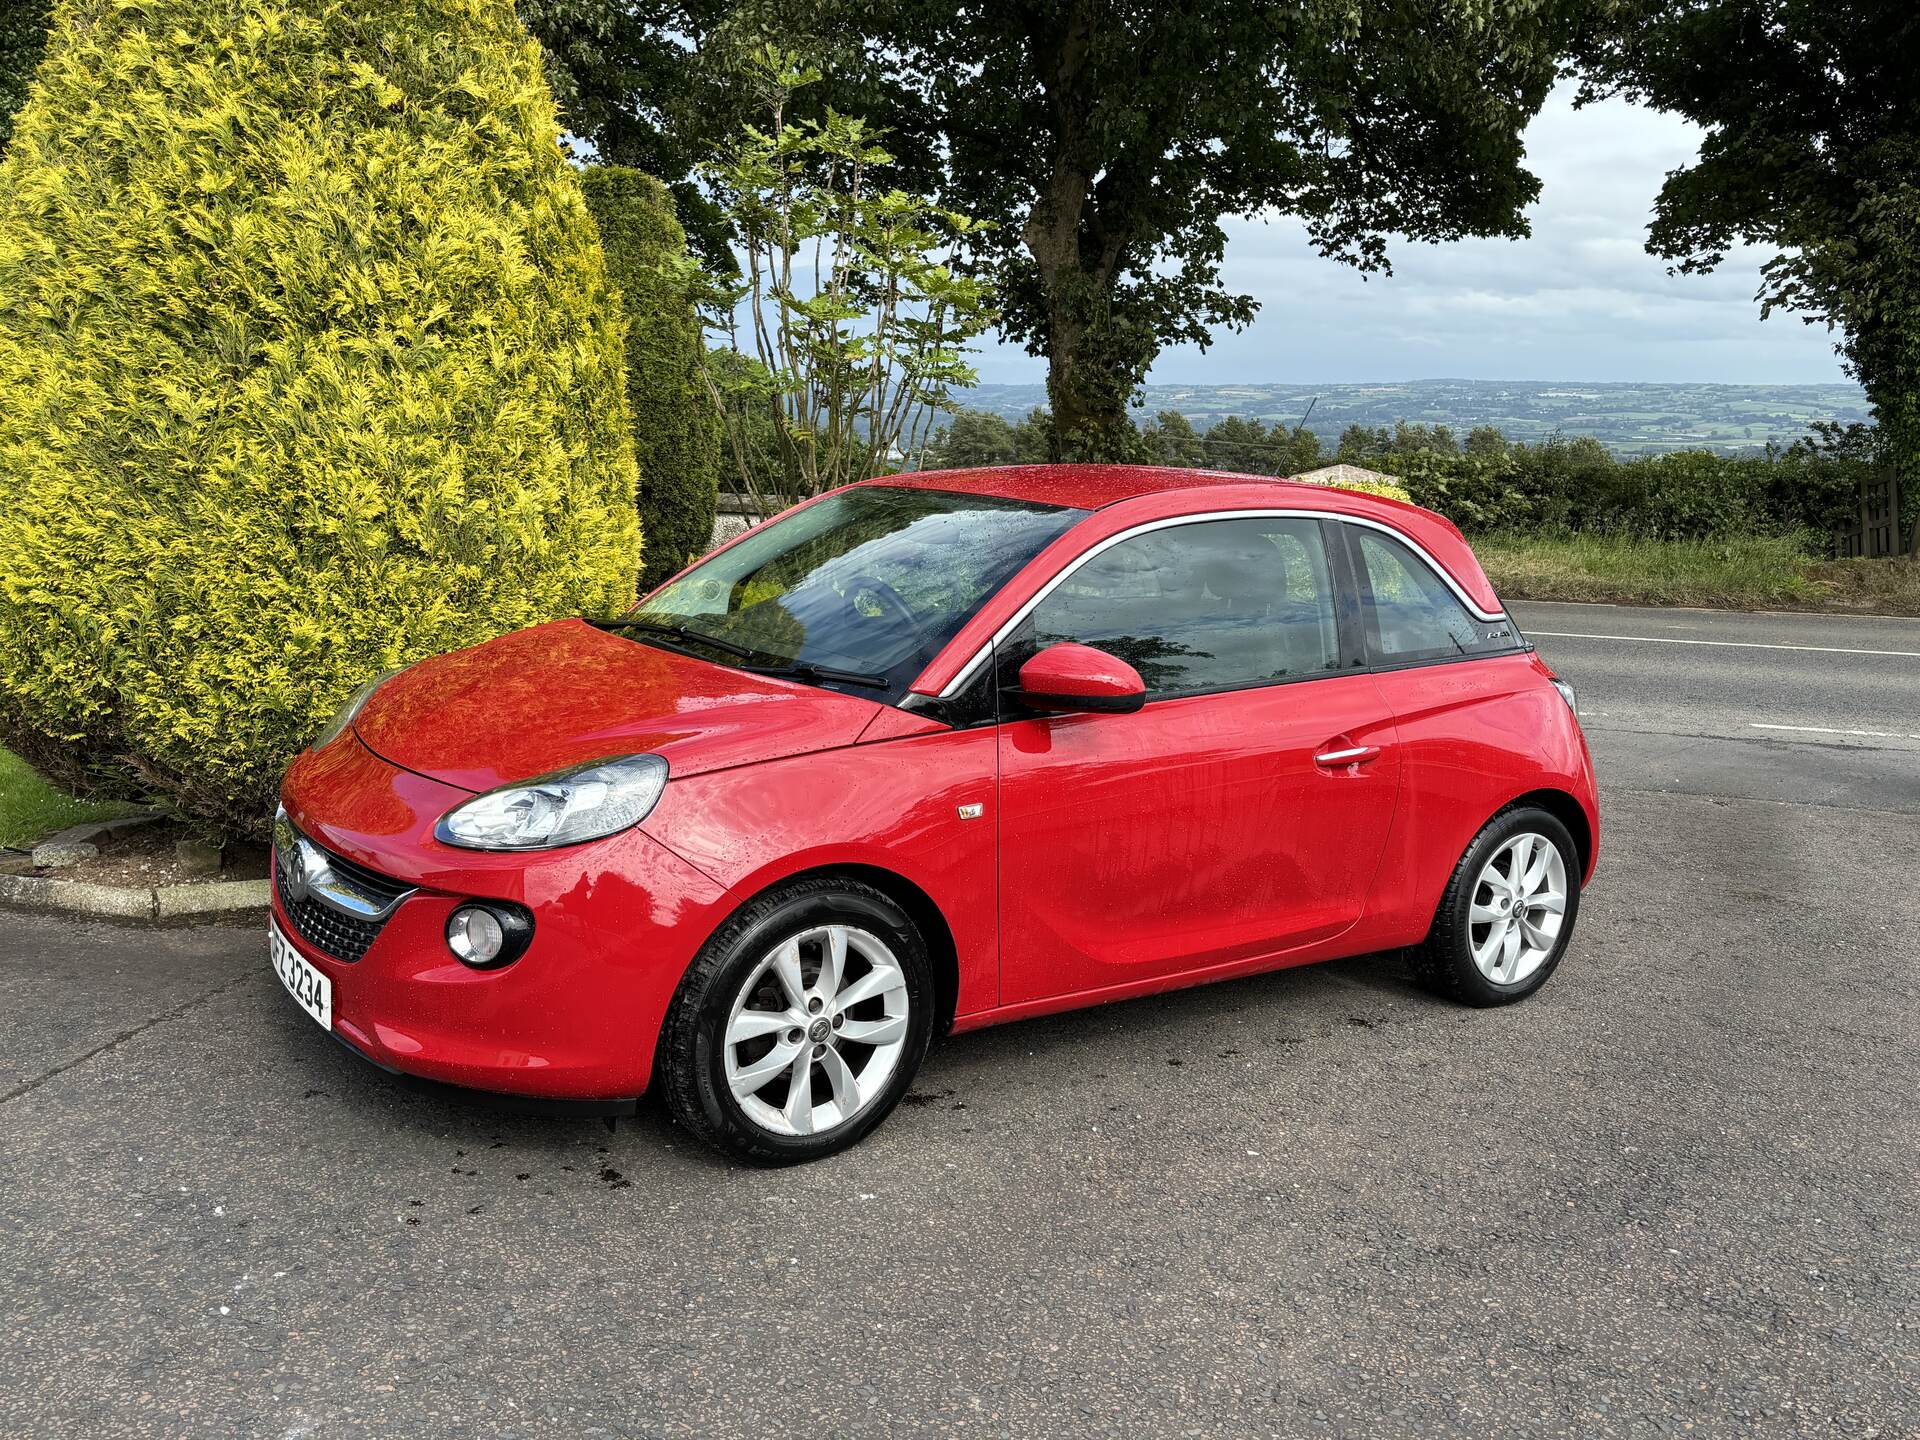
x=964, y=676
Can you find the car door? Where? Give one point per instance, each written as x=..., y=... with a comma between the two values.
x=1241, y=812
x=1449, y=677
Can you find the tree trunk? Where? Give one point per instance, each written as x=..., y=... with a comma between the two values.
x=1901, y=421
x=1093, y=366
x=1076, y=260
x=1089, y=395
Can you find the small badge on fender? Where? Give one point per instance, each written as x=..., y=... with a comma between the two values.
x=971, y=812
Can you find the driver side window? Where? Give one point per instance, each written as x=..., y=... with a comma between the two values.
x=1211, y=605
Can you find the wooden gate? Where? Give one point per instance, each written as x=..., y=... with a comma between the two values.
x=1875, y=532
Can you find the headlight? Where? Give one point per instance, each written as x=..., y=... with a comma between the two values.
x=343, y=717
x=564, y=808
x=1566, y=694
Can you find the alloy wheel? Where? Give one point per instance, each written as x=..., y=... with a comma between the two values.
x=1518, y=905
x=817, y=1030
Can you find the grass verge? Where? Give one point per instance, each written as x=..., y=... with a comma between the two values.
x=1754, y=572
x=31, y=809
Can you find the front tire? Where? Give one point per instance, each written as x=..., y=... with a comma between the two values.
x=800, y=1024
x=1507, y=914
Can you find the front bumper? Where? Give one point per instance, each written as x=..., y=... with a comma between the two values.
x=616, y=922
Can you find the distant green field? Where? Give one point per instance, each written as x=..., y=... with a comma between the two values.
x=1630, y=419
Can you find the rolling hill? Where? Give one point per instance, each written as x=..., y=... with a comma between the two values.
x=1630, y=419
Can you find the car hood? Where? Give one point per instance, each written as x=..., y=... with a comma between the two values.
x=565, y=694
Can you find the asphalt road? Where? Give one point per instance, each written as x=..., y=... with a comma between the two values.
x=1811, y=709
x=1674, y=1192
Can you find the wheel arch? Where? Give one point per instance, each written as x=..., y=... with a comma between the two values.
x=920, y=908
x=1568, y=810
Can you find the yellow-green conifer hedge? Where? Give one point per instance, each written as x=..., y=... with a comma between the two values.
x=308, y=368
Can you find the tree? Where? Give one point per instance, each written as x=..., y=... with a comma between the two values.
x=1300, y=451
x=1109, y=140
x=1487, y=442
x=1171, y=440
x=1812, y=148
x=1241, y=445
x=858, y=327
x=1363, y=444
x=23, y=39
x=1409, y=436
x=1033, y=435
x=658, y=85
x=630, y=81
x=1248, y=447
x=676, y=435
x=973, y=437
x=311, y=370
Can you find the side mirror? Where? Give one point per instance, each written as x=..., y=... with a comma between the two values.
x=1066, y=678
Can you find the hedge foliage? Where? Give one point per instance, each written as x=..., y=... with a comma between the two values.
x=311, y=369
x=1577, y=485
x=676, y=432
x=23, y=38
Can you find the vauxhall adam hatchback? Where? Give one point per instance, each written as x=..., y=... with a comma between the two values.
x=925, y=754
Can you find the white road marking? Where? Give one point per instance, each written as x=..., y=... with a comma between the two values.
x=1824, y=730
x=1729, y=644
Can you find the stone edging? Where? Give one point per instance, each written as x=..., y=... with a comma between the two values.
x=135, y=902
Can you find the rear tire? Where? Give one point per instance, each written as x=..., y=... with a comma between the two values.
x=1507, y=914
x=800, y=1023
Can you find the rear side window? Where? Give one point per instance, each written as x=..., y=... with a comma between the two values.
x=1213, y=605
x=1410, y=612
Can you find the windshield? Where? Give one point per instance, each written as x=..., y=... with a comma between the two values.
x=856, y=592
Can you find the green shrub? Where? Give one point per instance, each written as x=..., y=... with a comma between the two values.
x=311, y=369
x=1577, y=486
x=676, y=433
x=23, y=37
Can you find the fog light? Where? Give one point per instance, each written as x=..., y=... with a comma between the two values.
x=485, y=936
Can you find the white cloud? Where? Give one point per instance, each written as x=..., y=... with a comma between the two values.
x=1578, y=300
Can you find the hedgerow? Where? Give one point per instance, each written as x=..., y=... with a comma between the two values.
x=310, y=369
x=676, y=432
x=1577, y=486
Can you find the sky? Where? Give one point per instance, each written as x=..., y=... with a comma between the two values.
x=1578, y=300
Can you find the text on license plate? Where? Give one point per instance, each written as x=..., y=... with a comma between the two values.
x=308, y=986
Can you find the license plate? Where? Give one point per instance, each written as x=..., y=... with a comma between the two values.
x=308, y=986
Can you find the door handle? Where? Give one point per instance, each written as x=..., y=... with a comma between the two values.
x=1347, y=755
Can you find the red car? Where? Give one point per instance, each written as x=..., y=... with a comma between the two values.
x=925, y=754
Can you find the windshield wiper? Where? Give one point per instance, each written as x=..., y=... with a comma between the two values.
x=785, y=669
x=682, y=633
x=807, y=670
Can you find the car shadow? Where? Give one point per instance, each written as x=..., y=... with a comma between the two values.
x=1354, y=991
x=1294, y=1006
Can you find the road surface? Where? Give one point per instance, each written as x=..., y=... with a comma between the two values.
x=1814, y=709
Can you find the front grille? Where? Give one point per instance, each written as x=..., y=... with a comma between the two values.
x=345, y=937
x=341, y=936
